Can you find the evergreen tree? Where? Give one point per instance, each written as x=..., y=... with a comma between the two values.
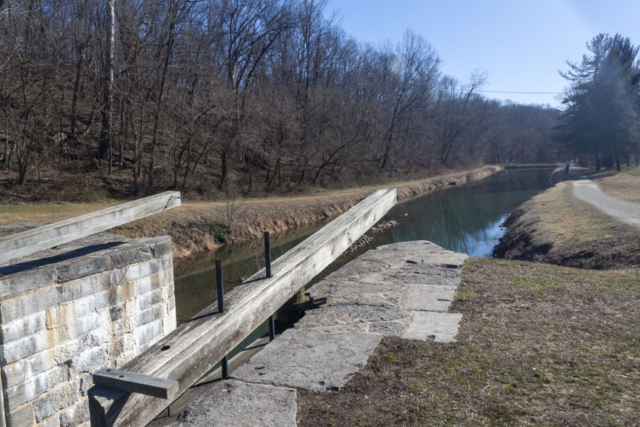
x=601, y=117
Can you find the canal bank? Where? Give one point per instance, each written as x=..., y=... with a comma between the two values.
x=462, y=218
x=566, y=225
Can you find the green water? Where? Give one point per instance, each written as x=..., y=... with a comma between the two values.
x=464, y=219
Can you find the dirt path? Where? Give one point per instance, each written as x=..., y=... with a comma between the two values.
x=622, y=210
x=205, y=226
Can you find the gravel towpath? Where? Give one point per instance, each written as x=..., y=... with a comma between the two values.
x=622, y=210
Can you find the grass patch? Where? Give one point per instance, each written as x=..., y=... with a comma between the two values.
x=538, y=345
x=555, y=227
x=624, y=185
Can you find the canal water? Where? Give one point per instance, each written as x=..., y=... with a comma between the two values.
x=463, y=219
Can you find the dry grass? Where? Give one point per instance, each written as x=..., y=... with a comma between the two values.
x=557, y=228
x=624, y=185
x=192, y=225
x=539, y=345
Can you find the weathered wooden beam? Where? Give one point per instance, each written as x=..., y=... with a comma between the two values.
x=136, y=383
x=192, y=349
x=23, y=244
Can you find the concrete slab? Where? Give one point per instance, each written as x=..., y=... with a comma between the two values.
x=428, y=298
x=233, y=403
x=313, y=360
x=442, y=326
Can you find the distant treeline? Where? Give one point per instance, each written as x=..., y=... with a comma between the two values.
x=250, y=94
x=600, y=123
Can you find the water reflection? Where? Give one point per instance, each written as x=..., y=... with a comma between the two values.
x=464, y=219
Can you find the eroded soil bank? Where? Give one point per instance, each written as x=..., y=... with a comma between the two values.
x=555, y=227
x=196, y=227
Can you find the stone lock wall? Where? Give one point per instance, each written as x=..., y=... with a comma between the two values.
x=67, y=312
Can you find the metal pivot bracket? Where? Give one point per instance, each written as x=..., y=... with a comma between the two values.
x=309, y=304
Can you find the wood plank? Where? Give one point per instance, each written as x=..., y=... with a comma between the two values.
x=168, y=418
x=136, y=383
x=196, y=346
x=29, y=242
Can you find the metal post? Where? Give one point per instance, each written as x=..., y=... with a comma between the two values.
x=220, y=287
x=267, y=267
x=267, y=254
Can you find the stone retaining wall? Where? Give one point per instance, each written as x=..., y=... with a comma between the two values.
x=67, y=312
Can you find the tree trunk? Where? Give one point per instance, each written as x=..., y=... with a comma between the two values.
x=105, y=132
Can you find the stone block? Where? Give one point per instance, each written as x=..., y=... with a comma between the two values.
x=166, y=262
x=30, y=390
x=169, y=323
x=314, y=360
x=233, y=403
x=23, y=327
x=14, y=374
x=434, y=298
x=148, y=332
x=16, y=350
x=130, y=255
x=443, y=327
x=53, y=421
x=51, y=402
x=163, y=248
x=75, y=415
x=149, y=299
x=81, y=384
x=62, y=353
x=121, y=293
x=156, y=312
x=138, y=271
x=83, y=306
x=387, y=328
x=116, y=313
x=84, y=287
x=21, y=417
x=20, y=283
x=23, y=306
x=343, y=311
x=150, y=283
x=82, y=268
x=88, y=361
x=86, y=324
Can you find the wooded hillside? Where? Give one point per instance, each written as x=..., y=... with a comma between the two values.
x=246, y=96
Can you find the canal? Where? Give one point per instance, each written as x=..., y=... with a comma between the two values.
x=463, y=219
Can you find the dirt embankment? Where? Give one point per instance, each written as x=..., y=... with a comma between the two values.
x=205, y=226
x=557, y=228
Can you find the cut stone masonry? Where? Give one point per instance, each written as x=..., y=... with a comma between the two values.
x=71, y=310
x=403, y=289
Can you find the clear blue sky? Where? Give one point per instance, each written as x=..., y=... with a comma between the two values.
x=521, y=44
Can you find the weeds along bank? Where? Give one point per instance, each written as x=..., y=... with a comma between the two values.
x=556, y=227
x=196, y=227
